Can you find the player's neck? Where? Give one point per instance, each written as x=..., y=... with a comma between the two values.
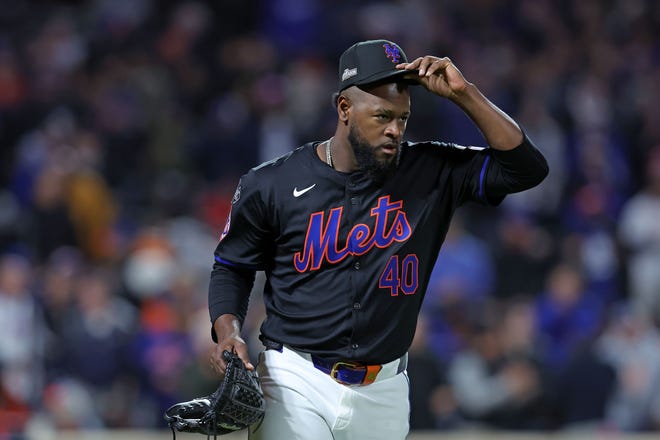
x=337, y=155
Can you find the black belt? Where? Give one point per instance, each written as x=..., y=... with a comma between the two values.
x=344, y=372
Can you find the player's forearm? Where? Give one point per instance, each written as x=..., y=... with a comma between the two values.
x=229, y=292
x=501, y=132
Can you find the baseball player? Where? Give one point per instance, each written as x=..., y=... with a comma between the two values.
x=347, y=231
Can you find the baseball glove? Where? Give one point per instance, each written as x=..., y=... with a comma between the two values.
x=236, y=404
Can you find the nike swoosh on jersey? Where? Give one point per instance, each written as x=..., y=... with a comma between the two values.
x=297, y=193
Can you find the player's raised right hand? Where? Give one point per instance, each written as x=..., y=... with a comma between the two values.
x=437, y=75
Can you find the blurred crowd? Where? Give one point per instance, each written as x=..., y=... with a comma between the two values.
x=125, y=124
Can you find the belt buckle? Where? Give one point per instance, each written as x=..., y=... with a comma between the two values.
x=370, y=372
x=337, y=365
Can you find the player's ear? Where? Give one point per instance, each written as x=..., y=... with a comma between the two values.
x=343, y=107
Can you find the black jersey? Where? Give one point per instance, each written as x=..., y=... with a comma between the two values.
x=348, y=260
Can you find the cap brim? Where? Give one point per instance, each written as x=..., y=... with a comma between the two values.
x=409, y=75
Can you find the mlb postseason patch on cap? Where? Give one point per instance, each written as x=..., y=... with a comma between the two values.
x=370, y=61
x=348, y=73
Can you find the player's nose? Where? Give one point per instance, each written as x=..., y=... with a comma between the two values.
x=394, y=130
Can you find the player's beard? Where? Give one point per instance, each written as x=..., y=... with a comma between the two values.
x=378, y=169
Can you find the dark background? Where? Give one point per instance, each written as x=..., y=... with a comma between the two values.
x=125, y=124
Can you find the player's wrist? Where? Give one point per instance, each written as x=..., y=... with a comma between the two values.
x=227, y=326
x=465, y=96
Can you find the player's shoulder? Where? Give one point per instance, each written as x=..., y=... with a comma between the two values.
x=292, y=158
x=437, y=154
x=279, y=166
x=439, y=146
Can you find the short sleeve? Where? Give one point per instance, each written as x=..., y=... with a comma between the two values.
x=244, y=240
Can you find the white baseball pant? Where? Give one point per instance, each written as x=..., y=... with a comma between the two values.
x=305, y=403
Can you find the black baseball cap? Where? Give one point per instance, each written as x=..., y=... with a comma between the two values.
x=370, y=61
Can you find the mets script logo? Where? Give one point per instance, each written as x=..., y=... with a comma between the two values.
x=321, y=241
x=392, y=52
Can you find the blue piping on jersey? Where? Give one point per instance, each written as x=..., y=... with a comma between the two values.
x=236, y=265
x=482, y=177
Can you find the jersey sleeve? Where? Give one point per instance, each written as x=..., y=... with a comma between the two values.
x=487, y=175
x=239, y=253
x=244, y=240
x=469, y=167
x=514, y=170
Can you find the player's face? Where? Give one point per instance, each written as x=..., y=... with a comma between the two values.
x=367, y=156
x=376, y=129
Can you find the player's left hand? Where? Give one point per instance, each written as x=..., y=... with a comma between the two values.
x=437, y=75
